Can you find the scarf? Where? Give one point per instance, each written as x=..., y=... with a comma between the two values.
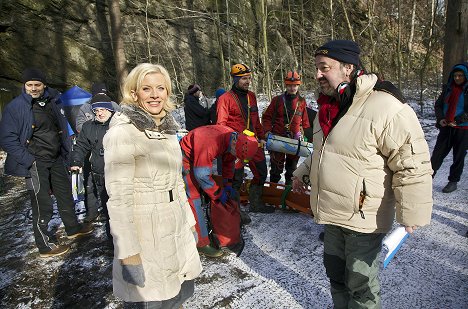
x=328, y=110
x=452, y=101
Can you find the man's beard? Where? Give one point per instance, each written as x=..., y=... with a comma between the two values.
x=327, y=89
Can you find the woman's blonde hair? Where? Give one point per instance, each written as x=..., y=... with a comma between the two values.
x=134, y=81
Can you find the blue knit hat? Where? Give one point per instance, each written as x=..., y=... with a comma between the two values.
x=342, y=50
x=101, y=101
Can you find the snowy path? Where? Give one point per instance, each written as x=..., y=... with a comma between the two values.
x=281, y=266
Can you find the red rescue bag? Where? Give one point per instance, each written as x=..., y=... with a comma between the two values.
x=225, y=223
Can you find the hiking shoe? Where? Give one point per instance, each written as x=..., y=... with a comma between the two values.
x=210, y=251
x=450, y=187
x=244, y=218
x=86, y=229
x=58, y=250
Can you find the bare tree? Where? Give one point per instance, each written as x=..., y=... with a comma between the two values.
x=117, y=42
x=348, y=23
x=456, y=34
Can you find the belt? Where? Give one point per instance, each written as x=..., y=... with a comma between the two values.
x=165, y=196
x=171, y=197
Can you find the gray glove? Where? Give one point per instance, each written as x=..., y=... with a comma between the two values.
x=134, y=274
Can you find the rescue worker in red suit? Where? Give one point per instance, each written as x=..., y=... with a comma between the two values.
x=285, y=116
x=199, y=148
x=238, y=110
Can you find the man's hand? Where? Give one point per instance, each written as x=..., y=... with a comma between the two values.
x=75, y=168
x=443, y=123
x=227, y=193
x=298, y=185
x=410, y=229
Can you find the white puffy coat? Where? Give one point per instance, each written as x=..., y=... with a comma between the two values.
x=375, y=161
x=142, y=164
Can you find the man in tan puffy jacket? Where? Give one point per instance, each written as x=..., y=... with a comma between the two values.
x=370, y=162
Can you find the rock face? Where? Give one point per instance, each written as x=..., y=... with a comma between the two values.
x=71, y=41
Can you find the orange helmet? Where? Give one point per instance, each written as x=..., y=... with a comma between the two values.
x=240, y=69
x=292, y=78
x=246, y=147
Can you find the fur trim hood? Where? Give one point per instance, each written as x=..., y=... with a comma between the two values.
x=142, y=121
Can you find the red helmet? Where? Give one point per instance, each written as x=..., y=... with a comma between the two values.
x=246, y=147
x=240, y=69
x=292, y=78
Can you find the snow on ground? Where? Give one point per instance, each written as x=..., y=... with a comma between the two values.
x=281, y=266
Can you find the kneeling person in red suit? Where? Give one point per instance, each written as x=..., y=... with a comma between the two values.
x=200, y=147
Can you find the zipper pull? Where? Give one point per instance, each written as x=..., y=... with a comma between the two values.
x=362, y=214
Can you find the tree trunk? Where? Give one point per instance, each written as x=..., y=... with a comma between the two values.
x=118, y=43
x=264, y=17
x=456, y=35
x=399, y=68
x=220, y=46
x=332, y=17
x=348, y=23
x=410, y=40
x=422, y=73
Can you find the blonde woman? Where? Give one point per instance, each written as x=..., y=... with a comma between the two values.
x=155, y=255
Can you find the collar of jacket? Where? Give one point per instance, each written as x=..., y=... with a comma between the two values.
x=49, y=94
x=142, y=121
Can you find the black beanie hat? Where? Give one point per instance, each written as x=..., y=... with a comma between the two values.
x=193, y=88
x=102, y=101
x=342, y=50
x=31, y=74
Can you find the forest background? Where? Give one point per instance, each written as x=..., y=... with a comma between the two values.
x=412, y=43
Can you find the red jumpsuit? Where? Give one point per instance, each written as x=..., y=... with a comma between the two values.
x=284, y=117
x=233, y=112
x=199, y=148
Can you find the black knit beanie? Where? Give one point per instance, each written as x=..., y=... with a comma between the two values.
x=33, y=74
x=342, y=50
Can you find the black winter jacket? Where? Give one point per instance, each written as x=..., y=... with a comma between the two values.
x=16, y=130
x=90, y=140
x=195, y=114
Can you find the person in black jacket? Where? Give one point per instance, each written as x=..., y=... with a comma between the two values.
x=90, y=141
x=196, y=115
x=33, y=132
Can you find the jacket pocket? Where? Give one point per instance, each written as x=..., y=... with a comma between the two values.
x=359, y=196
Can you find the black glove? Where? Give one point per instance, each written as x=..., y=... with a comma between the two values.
x=134, y=274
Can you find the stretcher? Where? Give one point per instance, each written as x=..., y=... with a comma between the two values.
x=277, y=195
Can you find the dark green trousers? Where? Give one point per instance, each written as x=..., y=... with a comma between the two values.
x=350, y=260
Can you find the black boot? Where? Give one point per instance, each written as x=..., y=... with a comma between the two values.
x=255, y=200
x=450, y=187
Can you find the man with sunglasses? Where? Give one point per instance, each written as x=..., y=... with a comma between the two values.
x=238, y=110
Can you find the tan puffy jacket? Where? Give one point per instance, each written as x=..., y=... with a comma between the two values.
x=375, y=161
x=142, y=164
